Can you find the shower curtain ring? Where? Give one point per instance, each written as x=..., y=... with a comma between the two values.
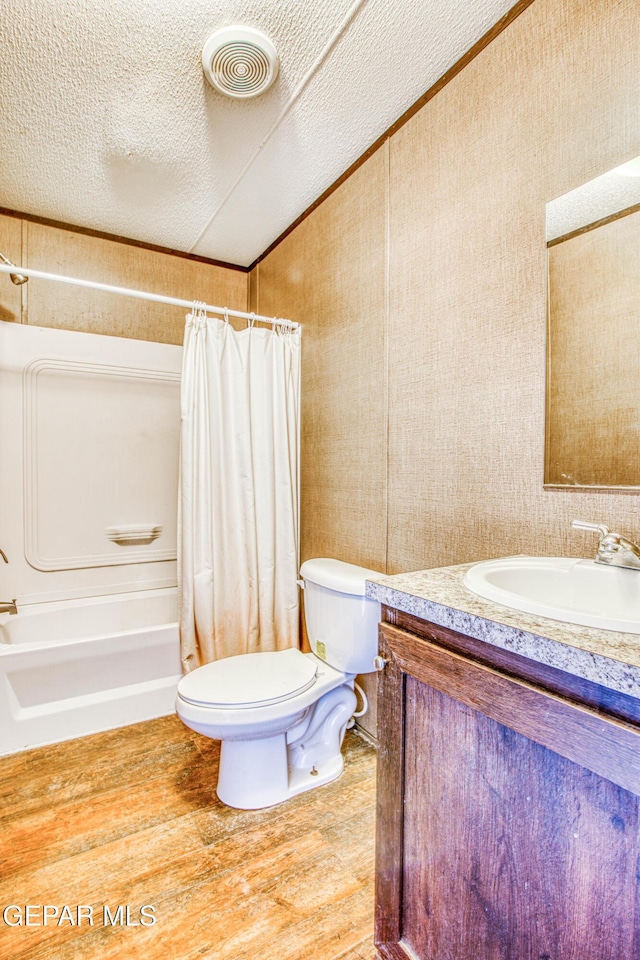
x=251, y=320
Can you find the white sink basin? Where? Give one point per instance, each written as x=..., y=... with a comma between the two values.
x=575, y=591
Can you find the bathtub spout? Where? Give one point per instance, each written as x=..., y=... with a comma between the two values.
x=8, y=607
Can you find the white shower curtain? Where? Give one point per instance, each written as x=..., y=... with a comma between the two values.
x=238, y=510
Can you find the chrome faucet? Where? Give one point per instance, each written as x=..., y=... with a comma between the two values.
x=8, y=606
x=613, y=549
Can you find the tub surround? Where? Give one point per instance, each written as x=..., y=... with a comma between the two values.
x=605, y=657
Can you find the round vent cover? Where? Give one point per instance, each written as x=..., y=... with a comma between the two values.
x=240, y=61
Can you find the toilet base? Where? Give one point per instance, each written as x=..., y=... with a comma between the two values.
x=252, y=774
x=264, y=772
x=301, y=780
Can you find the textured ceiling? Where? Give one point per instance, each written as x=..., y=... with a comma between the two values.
x=108, y=121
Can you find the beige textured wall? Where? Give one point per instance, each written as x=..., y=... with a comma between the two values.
x=11, y=297
x=49, y=304
x=330, y=275
x=549, y=104
x=421, y=284
x=593, y=387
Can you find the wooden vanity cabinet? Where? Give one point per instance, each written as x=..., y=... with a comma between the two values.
x=508, y=805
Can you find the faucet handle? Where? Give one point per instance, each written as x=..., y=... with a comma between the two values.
x=594, y=527
x=4, y=556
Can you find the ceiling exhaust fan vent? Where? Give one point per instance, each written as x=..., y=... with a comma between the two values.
x=240, y=62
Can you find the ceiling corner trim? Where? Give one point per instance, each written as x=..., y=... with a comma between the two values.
x=115, y=238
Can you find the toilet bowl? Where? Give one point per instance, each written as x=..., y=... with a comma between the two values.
x=281, y=716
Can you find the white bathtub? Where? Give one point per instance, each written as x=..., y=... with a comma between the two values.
x=73, y=667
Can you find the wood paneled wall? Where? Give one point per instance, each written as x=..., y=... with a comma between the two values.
x=421, y=283
x=48, y=304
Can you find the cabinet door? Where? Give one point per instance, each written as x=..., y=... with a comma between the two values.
x=508, y=824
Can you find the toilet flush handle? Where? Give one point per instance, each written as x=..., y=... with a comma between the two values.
x=380, y=663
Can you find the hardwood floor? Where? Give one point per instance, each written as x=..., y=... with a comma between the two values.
x=130, y=818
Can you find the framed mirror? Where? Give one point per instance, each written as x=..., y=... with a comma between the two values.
x=592, y=430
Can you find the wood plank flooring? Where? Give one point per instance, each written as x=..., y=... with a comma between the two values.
x=130, y=818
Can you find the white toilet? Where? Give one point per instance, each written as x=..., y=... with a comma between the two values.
x=281, y=716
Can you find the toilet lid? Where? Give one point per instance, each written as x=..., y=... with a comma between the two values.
x=249, y=680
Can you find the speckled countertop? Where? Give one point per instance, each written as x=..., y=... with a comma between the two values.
x=439, y=596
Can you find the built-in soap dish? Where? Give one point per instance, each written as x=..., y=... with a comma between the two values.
x=134, y=535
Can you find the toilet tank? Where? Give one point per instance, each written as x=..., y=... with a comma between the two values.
x=342, y=624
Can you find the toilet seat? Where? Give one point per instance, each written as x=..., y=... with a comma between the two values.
x=249, y=680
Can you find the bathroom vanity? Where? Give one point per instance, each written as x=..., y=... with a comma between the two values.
x=508, y=780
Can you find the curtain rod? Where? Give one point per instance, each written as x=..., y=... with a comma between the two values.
x=142, y=295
